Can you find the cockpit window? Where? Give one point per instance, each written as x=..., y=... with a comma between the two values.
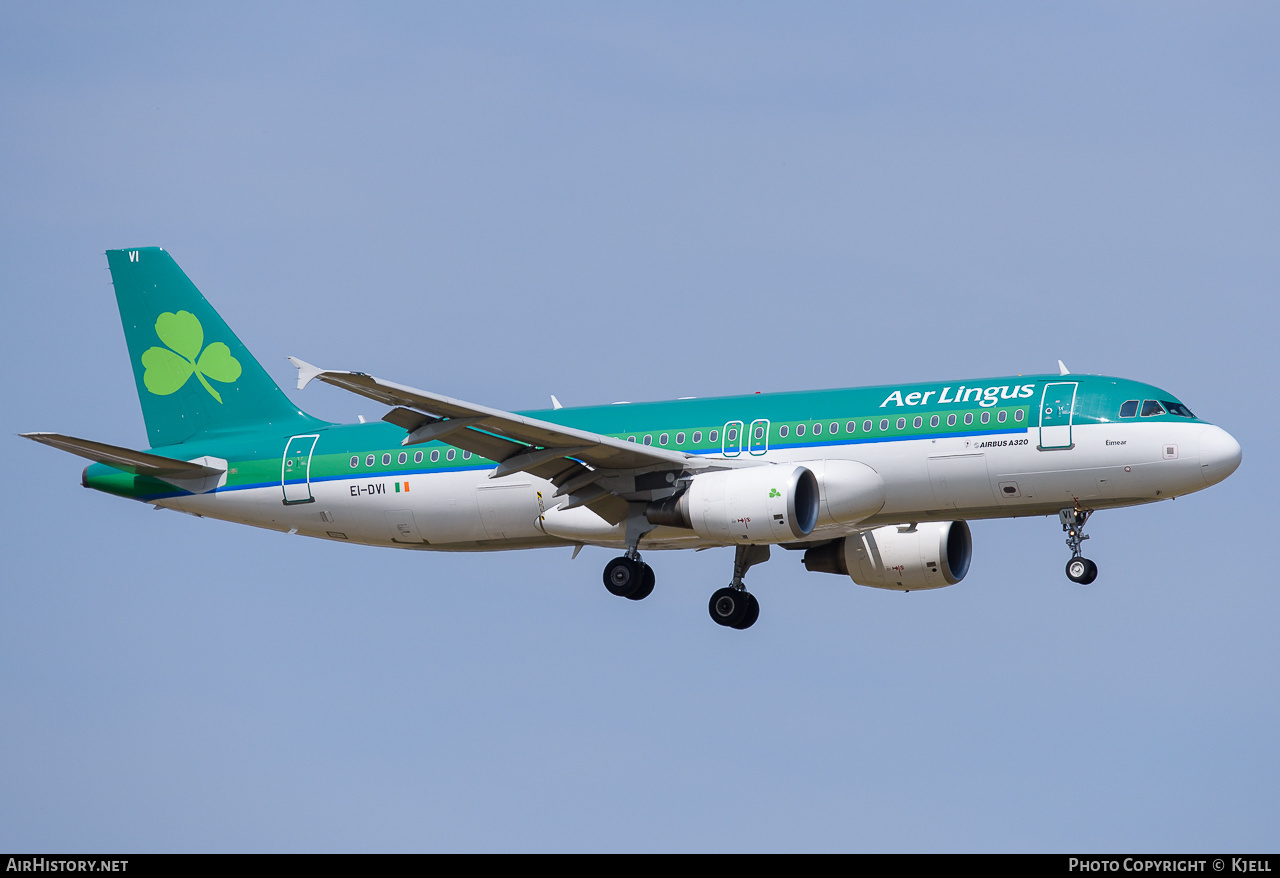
x=1177, y=408
x=1151, y=408
x=1129, y=409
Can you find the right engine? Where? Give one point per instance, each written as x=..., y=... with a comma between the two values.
x=930, y=555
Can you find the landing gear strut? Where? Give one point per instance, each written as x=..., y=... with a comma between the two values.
x=1079, y=569
x=734, y=606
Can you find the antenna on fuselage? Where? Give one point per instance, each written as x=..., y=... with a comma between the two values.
x=1062, y=368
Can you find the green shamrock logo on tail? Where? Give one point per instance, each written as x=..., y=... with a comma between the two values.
x=167, y=369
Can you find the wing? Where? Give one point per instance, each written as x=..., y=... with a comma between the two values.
x=591, y=469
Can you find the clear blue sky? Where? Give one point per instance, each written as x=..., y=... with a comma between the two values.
x=604, y=202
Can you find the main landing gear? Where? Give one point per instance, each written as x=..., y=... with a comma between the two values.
x=628, y=577
x=734, y=606
x=1079, y=569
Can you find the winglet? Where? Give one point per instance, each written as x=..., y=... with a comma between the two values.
x=306, y=371
x=1062, y=368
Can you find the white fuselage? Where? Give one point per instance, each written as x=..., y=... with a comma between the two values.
x=925, y=479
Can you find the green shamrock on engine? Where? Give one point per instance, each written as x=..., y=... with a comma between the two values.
x=167, y=369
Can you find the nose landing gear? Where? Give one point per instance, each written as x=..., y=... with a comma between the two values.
x=1079, y=569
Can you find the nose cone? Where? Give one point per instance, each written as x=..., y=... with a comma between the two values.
x=1219, y=454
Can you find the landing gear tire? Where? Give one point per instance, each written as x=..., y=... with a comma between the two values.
x=623, y=576
x=647, y=579
x=733, y=608
x=629, y=578
x=1082, y=570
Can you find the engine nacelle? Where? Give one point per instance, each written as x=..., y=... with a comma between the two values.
x=851, y=491
x=930, y=555
x=774, y=503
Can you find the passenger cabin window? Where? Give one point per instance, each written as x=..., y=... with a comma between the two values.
x=902, y=423
x=679, y=438
x=933, y=422
x=417, y=457
x=1002, y=416
x=918, y=423
x=697, y=435
x=851, y=427
x=386, y=460
x=884, y=424
x=648, y=440
x=355, y=461
x=435, y=455
x=817, y=429
x=1129, y=409
x=715, y=436
x=450, y=454
x=368, y=461
x=986, y=417
x=1019, y=415
x=834, y=429
x=1151, y=408
x=866, y=426
x=800, y=429
x=1177, y=408
x=404, y=458
x=951, y=420
x=662, y=440
x=782, y=431
x=968, y=418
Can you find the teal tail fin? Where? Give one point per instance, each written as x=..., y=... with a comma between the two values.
x=193, y=374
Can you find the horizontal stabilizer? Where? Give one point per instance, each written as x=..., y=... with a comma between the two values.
x=139, y=463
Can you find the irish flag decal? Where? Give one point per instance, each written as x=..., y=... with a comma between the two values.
x=402, y=486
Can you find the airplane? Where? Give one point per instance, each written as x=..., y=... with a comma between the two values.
x=873, y=483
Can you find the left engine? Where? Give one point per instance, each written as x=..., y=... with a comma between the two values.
x=762, y=504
